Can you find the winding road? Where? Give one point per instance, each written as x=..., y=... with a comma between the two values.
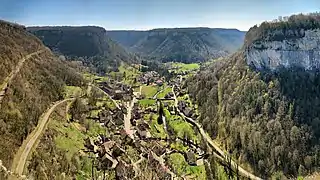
x=222, y=155
x=20, y=158
x=12, y=75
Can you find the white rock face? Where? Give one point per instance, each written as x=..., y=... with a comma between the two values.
x=301, y=52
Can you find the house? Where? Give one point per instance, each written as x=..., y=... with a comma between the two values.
x=188, y=112
x=118, y=118
x=124, y=171
x=191, y=158
x=159, y=82
x=143, y=130
x=106, y=147
x=143, y=134
x=158, y=149
x=89, y=144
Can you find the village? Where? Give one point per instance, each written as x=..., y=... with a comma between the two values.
x=155, y=132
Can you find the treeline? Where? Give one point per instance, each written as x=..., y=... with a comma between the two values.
x=293, y=27
x=37, y=85
x=156, y=66
x=270, y=121
x=89, y=44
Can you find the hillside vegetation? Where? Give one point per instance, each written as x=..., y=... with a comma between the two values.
x=270, y=121
x=292, y=27
x=89, y=44
x=180, y=44
x=38, y=83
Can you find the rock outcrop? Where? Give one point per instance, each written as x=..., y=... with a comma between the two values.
x=288, y=42
x=303, y=52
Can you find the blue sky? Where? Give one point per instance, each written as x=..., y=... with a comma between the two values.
x=149, y=14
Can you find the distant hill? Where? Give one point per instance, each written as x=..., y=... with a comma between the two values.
x=181, y=44
x=89, y=42
x=28, y=85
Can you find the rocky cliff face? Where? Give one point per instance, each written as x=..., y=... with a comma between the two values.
x=302, y=49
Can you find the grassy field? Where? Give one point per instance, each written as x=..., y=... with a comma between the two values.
x=129, y=74
x=146, y=102
x=69, y=138
x=181, y=67
x=149, y=91
x=89, y=77
x=181, y=167
x=164, y=92
x=180, y=127
x=157, y=130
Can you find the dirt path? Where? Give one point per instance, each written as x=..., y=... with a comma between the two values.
x=223, y=155
x=12, y=75
x=23, y=152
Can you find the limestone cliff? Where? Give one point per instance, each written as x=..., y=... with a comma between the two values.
x=284, y=44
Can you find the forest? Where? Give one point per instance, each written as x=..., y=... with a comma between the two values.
x=89, y=44
x=269, y=120
x=284, y=28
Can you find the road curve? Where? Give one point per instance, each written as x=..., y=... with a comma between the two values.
x=12, y=75
x=24, y=151
x=223, y=155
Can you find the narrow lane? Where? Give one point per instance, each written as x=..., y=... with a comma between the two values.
x=127, y=117
x=13, y=74
x=222, y=155
x=24, y=150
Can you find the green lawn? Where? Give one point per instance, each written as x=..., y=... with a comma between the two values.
x=181, y=167
x=179, y=146
x=149, y=91
x=157, y=130
x=180, y=67
x=182, y=128
x=164, y=92
x=69, y=138
x=129, y=74
x=146, y=102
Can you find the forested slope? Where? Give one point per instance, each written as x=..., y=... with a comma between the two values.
x=181, y=44
x=38, y=83
x=89, y=44
x=270, y=121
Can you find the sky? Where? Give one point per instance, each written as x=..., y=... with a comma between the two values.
x=150, y=14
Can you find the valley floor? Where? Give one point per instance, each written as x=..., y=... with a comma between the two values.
x=124, y=130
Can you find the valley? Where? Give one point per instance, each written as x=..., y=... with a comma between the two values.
x=149, y=117
x=83, y=102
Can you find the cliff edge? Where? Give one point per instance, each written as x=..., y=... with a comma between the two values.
x=292, y=42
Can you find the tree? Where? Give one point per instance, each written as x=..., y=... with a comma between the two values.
x=77, y=109
x=308, y=162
